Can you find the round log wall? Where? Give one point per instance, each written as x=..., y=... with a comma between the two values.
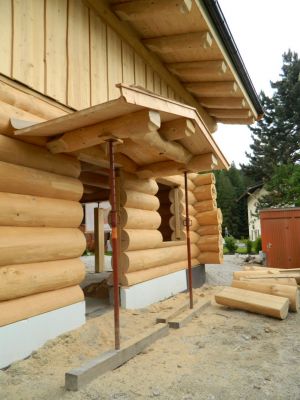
x=39, y=237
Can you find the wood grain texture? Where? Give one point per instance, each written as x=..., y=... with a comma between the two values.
x=128, y=64
x=114, y=59
x=6, y=36
x=28, y=43
x=56, y=49
x=78, y=55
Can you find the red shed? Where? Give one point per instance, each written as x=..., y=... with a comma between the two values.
x=280, y=232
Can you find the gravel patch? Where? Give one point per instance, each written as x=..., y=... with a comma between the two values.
x=221, y=274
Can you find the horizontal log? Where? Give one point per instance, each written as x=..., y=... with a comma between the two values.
x=211, y=258
x=204, y=179
x=201, y=71
x=232, y=113
x=27, y=279
x=143, y=9
x=181, y=209
x=202, y=162
x=172, y=243
x=209, y=230
x=194, y=236
x=25, y=307
x=172, y=150
x=30, y=245
x=278, y=280
x=248, y=274
x=7, y=112
x=134, y=199
x=223, y=102
x=177, y=129
x=183, y=43
x=32, y=211
x=142, y=276
x=96, y=180
x=210, y=243
x=133, y=218
x=97, y=156
x=194, y=226
x=205, y=205
x=214, y=89
x=236, y=121
x=23, y=180
x=177, y=180
x=205, y=192
x=144, y=259
x=140, y=239
x=290, y=292
x=27, y=102
x=160, y=169
x=140, y=122
x=213, y=217
x=29, y=155
x=131, y=182
x=259, y=303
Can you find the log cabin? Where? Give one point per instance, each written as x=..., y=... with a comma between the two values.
x=156, y=77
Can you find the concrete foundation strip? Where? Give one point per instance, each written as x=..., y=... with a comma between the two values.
x=110, y=360
x=169, y=316
x=189, y=314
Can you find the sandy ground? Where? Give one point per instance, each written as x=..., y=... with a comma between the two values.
x=222, y=354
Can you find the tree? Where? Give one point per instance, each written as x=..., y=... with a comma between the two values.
x=276, y=138
x=283, y=188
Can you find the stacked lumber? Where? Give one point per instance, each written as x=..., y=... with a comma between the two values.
x=40, y=241
x=267, y=291
x=209, y=220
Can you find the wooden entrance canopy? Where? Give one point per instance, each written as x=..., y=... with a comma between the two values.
x=160, y=137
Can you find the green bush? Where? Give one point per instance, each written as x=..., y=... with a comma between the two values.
x=230, y=243
x=249, y=246
x=257, y=245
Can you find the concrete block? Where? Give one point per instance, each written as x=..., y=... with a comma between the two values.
x=76, y=378
x=20, y=339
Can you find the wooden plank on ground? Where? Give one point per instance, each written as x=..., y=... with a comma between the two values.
x=189, y=314
x=99, y=239
x=78, y=377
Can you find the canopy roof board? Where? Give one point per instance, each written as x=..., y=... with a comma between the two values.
x=160, y=137
x=192, y=39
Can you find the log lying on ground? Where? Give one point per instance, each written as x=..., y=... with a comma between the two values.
x=290, y=292
x=134, y=199
x=205, y=205
x=210, y=243
x=211, y=257
x=204, y=179
x=141, y=276
x=133, y=218
x=209, y=230
x=255, y=274
x=143, y=259
x=25, y=307
x=26, y=279
x=259, y=303
x=32, y=211
x=131, y=182
x=205, y=192
x=22, y=180
x=278, y=280
x=213, y=217
x=140, y=239
x=30, y=245
x=29, y=155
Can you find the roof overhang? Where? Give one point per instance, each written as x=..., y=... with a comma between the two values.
x=160, y=137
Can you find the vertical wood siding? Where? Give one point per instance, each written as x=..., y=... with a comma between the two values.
x=63, y=49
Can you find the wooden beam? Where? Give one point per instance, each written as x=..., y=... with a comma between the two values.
x=159, y=169
x=122, y=127
x=214, y=89
x=177, y=129
x=102, y=195
x=233, y=113
x=97, y=156
x=96, y=180
x=201, y=71
x=85, y=167
x=223, y=102
x=203, y=162
x=131, y=37
x=99, y=239
x=176, y=43
x=139, y=10
x=237, y=121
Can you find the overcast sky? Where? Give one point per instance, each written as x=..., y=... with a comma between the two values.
x=263, y=30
